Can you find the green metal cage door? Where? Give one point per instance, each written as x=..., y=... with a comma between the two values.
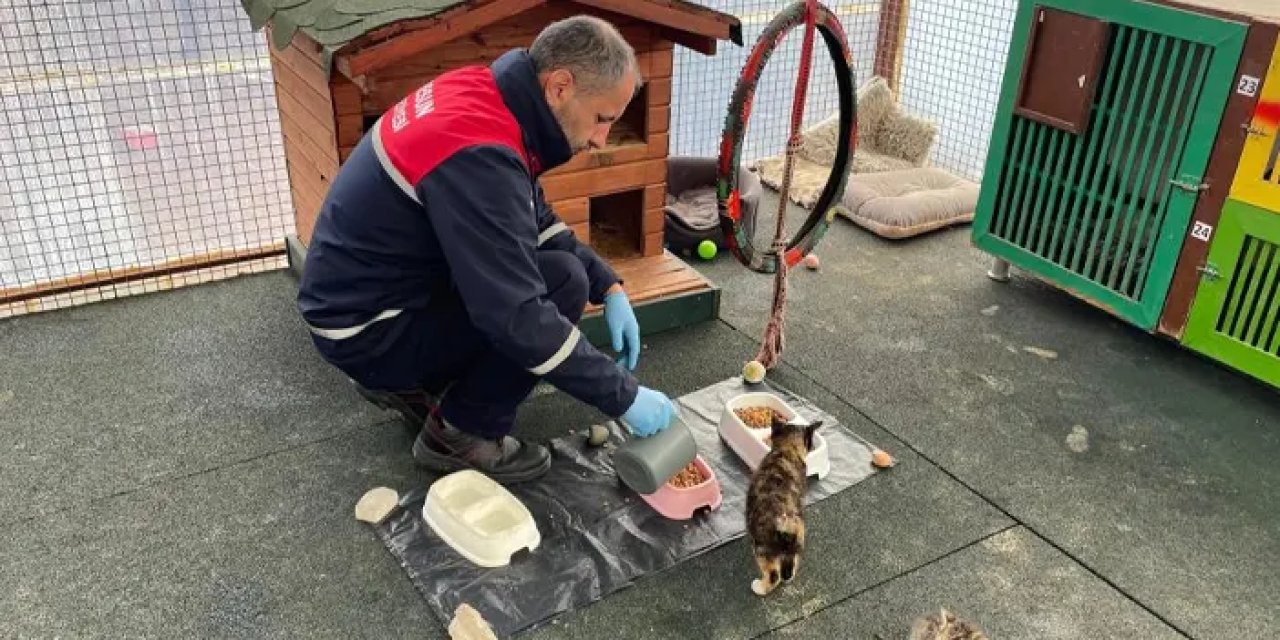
x=1099, y=206
x=1236, y=315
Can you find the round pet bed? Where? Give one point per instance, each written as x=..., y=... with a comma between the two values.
x=908, y=202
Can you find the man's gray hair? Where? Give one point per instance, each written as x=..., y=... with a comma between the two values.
x=590, y=48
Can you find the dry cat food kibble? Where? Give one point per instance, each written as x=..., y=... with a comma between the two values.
x=690, y=476
x=757, y=417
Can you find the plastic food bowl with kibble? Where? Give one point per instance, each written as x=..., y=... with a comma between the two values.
x=751, y=444
x=677, y=500
x=479, y=518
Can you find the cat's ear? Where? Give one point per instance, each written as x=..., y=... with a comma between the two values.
x=776, y=423
x=808, y=434
x=776, y=429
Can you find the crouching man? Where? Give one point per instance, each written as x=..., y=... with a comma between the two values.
x=440, y=281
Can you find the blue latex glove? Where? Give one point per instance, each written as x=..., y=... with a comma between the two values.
x=623, y=328
x=651, y=412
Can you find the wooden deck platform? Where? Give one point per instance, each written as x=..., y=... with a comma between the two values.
x=666, y=293
x=656, y=277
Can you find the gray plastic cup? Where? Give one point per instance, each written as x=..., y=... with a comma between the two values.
x=645, y=464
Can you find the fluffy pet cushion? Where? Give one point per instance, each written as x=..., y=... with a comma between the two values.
x=807, y=178
x=901, y=204
x=875, y=104
x=907, y=137
x=888, y=140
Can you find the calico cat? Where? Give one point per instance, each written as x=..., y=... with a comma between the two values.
x=775, y=519
x=945, y=626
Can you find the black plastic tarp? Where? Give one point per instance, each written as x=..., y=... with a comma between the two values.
x=597, y=535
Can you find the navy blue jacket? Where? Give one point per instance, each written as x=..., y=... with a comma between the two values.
x=441, y=198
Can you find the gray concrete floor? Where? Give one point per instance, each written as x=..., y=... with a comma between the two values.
x=182, y=464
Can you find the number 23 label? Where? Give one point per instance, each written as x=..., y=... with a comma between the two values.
x=1248, y=86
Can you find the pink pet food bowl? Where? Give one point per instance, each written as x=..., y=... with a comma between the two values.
x=680, y=503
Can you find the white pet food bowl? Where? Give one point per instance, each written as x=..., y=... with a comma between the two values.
x=479, y=518
x=749, y=443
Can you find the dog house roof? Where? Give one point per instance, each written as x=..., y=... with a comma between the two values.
x=337, y=25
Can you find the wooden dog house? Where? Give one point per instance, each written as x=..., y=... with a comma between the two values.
x=339, y=64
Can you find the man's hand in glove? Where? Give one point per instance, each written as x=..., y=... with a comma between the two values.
x=651, y=412
x=623, y=328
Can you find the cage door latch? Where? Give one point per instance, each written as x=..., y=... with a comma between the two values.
x=1251, y=130
x=1209, y=271
x=1190, y=184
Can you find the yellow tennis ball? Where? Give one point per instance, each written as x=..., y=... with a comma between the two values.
x=753, y=372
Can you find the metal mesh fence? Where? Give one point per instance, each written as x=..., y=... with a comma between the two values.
x=949, y=68
x=135, y=137
x=138, y=136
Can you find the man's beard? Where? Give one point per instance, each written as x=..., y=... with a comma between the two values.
x=563, y=120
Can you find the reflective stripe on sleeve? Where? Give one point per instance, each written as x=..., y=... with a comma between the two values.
x=347, y=332
x=559, y=356
x=551, y=232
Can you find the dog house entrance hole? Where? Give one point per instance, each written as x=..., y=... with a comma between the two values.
x=633, y=125
x=616, y=221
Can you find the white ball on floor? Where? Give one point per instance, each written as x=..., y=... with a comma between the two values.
x=811, y=261
x=757, y=587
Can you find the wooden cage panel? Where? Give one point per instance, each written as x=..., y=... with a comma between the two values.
x=656, y=95
x=349, y=114
x=618, y=210
x=305, y=104
x=1257, y=179
x=387, y=86
x=572, y=211
x=1232, y=136
x=591, y=182
x=655, y=196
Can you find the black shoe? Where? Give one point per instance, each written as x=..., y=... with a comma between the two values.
x=413, y=406
x=444, y=449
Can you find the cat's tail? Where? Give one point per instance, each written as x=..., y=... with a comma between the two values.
x=788, y=527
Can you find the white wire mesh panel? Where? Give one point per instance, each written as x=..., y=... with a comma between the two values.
x=952, y=62
x=134, y=136
x=137, y=135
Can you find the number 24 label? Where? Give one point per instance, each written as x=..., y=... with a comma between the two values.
x=1201, y=232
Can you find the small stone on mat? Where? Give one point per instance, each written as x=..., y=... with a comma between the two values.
x=467, y=624
x=598, y=435
x=376, y=504
x=881, y=458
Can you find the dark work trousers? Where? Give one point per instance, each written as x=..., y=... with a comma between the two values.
x=438, y=350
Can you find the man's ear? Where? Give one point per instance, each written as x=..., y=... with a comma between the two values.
x=559, y=86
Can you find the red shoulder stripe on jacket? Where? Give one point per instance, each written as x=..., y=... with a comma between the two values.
x=458, y=109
